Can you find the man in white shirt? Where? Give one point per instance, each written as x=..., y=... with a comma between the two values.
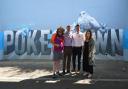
x=77, y=43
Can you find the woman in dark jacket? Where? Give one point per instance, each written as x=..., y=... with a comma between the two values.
x=88, y=54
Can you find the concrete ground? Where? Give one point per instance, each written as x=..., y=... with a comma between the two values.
x=37, y=74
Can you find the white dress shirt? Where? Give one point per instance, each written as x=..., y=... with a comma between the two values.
x=77, y=39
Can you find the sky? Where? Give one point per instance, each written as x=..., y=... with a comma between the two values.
x=54, y=13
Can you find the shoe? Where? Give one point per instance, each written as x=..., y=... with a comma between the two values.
x=78, y=71
x=89, y=76
x=54, y=76
x=59, y=74
x=85, y=74
x=68, y=72
x=63, y=73
x=73, y=70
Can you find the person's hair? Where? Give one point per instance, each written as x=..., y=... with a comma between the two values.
x=90, y=34
x=77, y=25
x=60, y=29
x=68, y=26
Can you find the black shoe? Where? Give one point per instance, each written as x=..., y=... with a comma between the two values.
x=54, y=76
x=68, y=72
x=73, y=70
x=63, y=73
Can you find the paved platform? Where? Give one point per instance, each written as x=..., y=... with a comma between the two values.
x=37, y=74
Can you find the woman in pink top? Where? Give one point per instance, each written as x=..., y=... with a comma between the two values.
x=57, y=40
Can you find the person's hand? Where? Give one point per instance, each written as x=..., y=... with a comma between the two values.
x=57, y=45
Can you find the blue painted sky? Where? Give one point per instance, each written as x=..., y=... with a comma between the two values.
x=53, y=13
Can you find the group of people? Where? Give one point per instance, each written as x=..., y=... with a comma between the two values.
x=71, y=46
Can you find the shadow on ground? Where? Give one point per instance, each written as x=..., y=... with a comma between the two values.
x=103, y=70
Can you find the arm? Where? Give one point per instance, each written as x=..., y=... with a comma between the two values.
x=91, y=53
x=52, y=40
x=91, y=48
